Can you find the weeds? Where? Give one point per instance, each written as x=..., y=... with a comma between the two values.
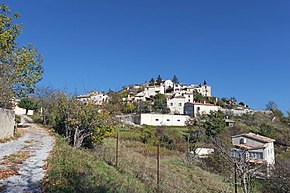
x=78, y=170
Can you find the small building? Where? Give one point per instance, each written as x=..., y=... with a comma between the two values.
x=163, y=119
x=202, y=152
x=194, y=109
x=230, y=123
x=254, y=148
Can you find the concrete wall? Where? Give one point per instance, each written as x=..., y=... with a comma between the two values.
x=163, y=119
x=7, y=122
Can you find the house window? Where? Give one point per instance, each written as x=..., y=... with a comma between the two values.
x=180, y=104
x=256, y=155
x=198, y=108
x=171, y=104
x=168, y=119
x=156, y=119
x=178, y=120
x=243, y=141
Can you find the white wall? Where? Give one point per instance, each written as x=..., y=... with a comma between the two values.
x=204, y=109
x=176, y=105
x=21, y=111
x=163, y=120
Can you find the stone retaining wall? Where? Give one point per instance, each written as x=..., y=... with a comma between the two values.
x=7, y=123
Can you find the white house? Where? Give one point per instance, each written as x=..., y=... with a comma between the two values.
x=255, y=148
x=96, y=97
x=204, y=90
x=149, y=91
x=176, y=104
x=163, y=119
x=194, y=109
x=168, y=84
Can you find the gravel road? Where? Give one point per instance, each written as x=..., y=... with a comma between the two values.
x=22, y=161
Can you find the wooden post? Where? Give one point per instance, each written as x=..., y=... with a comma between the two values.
x=158, y=166
x=117, y=148
x=236, y=188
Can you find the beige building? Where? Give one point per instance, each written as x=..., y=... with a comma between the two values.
x=255, y=148
x=194, y=109
x=176, y=104
x=163, y=119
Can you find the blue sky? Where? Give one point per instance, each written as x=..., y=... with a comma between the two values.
x=241, y=48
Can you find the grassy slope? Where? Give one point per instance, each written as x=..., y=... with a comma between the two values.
x=79, y=170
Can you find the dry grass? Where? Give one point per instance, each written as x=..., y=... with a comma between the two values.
x=11, y=163
x=177, y=175
x=16, y=158
x=18, y=134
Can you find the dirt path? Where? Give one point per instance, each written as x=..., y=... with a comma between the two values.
x=22, y=161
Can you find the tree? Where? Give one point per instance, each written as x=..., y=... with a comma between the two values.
x=266, y=130
x=272, y=106
x=28, y=104
x=215, y=124
x=158, y=80
x=279, y=180
x=197, y=97
x=82, y=124
x=160, y=103
x=175, y=80
x=20, y=67
x=151, y=82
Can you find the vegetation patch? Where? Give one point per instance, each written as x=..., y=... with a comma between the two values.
x=16, y=158
x=80, y=170
x=30, y=140
x=18, y=134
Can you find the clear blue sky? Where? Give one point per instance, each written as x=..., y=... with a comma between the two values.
x=241, y=48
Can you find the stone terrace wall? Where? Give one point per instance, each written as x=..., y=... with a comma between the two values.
x=7, y=122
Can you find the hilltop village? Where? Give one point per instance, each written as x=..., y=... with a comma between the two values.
x=166, y=102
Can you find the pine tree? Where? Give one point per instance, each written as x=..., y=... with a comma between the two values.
x=159, y=80
x=175, y=80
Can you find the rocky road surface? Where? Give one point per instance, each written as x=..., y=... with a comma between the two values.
x=22, y=161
